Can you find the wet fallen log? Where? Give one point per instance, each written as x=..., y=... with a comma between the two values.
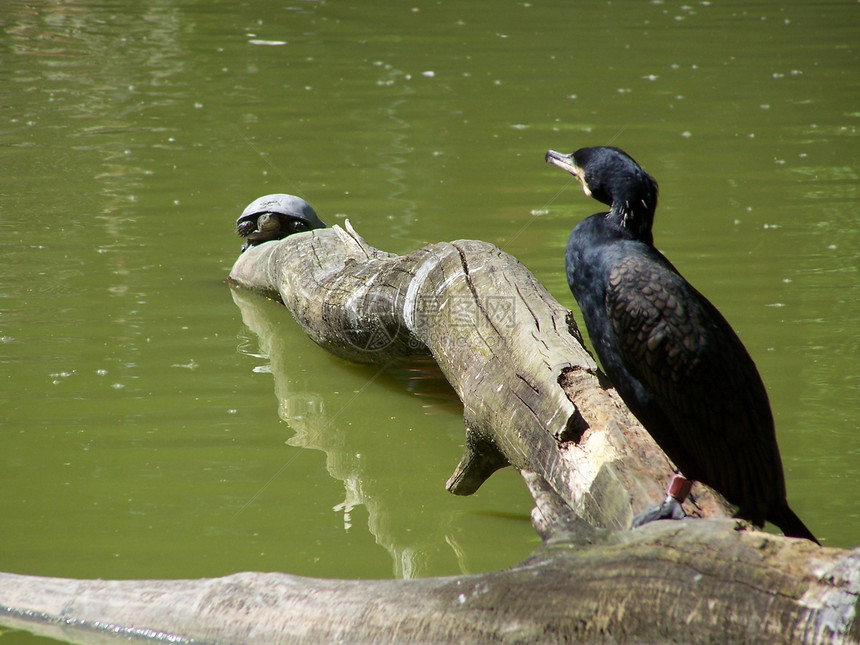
x=532, y=398
x=531, y=393
x=695, y=581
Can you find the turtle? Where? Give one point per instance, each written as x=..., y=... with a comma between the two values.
x=273, y=217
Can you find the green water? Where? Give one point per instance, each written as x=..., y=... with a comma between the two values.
x=147, y=430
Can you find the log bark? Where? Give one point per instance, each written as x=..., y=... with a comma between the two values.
x=531, y=393
x=690, y=582
x=532, y=398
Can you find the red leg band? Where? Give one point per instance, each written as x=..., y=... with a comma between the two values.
x=679, y=487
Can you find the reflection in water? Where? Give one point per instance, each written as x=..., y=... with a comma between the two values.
x=305, y=407
x=104, y=75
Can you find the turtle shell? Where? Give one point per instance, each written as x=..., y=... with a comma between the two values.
x=293, y=214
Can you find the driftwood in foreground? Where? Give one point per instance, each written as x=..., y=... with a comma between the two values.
x=531, y=398
x=688, y=582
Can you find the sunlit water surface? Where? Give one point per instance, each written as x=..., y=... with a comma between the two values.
x=155, y=424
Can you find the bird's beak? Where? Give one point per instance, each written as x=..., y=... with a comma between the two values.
x=565, y=162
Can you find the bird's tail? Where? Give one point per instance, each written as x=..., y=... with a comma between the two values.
x=790, y=524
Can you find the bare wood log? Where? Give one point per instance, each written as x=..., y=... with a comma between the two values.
x=531, y=393
x=532, y=398
x=696, y=581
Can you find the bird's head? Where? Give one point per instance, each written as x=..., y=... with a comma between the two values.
x=614, y=178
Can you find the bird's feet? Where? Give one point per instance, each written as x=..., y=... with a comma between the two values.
x=670, y=509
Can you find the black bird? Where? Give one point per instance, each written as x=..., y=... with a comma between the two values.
x=671, y=355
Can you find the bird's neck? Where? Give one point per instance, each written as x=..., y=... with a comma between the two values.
x=634, y=214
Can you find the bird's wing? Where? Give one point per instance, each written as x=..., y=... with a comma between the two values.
x=687, y=356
